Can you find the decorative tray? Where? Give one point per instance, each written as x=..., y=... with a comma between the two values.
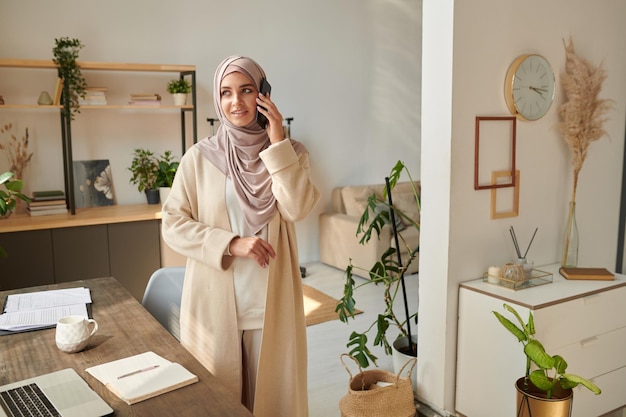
x=536, y=278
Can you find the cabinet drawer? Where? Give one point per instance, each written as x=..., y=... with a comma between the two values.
x=595, y=356
x=587, y=404
x=582, y=318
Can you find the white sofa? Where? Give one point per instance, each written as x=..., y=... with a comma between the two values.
x=338, y=240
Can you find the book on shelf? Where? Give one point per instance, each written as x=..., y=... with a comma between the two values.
x=601, y=274
x=139, y=377
x=58, y=91
x=48, y=195
x=48, y=211
x=153, y=97
x=43, y=205
x=155, y=103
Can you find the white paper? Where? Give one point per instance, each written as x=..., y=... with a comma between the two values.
x=111, y=371
x=46, y=299
x=34, y=319
x=43, y=308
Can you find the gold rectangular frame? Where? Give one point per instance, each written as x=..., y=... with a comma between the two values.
x=479, y=120
x=494, y=179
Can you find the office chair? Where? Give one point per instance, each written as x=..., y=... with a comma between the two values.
x=162, y=297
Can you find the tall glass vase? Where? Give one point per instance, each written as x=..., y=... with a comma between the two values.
x=570, y=249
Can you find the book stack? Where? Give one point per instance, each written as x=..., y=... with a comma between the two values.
x=94, y=96
x=47, y=202
x=145, y=100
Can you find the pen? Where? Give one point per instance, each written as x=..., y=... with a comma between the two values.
x=149, y=368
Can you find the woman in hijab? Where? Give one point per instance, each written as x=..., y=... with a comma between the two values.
x=231, y=212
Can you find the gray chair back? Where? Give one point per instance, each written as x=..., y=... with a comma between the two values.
x=162, y=297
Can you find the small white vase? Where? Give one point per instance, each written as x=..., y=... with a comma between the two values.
x=164, y=192
x=400, y=359
x=180, y=99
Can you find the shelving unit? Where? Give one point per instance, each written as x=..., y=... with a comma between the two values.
x=66, y=123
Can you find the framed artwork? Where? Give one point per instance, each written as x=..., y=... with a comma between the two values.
x=494, y=150
x=93, y=183
x=512, y=209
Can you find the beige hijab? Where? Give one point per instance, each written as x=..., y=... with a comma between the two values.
x=235, y=151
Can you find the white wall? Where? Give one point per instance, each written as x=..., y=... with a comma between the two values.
x=487, y=36
x=348, y=71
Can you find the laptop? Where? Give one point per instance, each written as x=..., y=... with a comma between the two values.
x=65, y=390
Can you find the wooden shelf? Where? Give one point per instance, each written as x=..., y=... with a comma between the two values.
x=83, y=217
x=96, y=66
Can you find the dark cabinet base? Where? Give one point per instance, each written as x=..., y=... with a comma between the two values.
x=129, y=252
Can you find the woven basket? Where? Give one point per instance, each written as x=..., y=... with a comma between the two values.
x=366, y=399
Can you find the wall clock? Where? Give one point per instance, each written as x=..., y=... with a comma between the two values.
x=529, y=87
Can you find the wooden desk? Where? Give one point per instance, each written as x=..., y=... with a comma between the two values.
x=125, y=329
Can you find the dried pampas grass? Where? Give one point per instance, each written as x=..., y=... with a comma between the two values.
x=583, y=113
x=17, y=151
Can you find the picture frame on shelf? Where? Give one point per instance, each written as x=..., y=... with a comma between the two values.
x=93, y=183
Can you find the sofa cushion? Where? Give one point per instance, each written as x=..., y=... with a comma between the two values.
x=404, y=200
x=355, y=199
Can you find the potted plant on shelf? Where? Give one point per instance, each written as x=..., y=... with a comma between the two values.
x=65, y=53
x=547, y=390
x=11, y=193
x=144, y=169
x=388, y=271
x=179, y=88
x=165, y=175
x=151, y=173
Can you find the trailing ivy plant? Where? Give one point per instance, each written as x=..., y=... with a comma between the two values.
x=65, y=53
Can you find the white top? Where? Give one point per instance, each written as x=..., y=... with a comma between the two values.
x=250, y=279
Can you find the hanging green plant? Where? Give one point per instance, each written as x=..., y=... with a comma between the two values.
x=65, y=53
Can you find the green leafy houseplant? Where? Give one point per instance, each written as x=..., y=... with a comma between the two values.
x=65, y=53
x=12, y=192
x=388, y=271
x=8, y=198
x=179, y=86
x=551, y=369
x=150, y=172
x=167, y=169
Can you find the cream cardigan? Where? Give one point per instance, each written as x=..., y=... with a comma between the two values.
x=195, y=224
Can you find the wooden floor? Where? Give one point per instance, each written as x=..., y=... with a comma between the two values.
x=328, y=380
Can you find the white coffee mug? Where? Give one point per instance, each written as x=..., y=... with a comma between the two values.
x=73, y=334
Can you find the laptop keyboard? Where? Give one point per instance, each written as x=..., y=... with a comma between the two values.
x=27, y=401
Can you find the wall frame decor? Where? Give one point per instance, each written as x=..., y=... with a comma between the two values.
x=514, y=206
x=494, y=150
x=93, y=183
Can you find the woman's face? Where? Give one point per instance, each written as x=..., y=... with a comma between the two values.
x=238, y=99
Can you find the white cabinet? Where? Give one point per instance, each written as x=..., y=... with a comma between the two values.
x=583, y=321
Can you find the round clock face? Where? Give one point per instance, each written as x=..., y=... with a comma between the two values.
x=529, y=87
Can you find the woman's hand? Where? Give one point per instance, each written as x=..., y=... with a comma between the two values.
x=254, y=248
x=274, y=118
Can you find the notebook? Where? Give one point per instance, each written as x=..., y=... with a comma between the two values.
x=140, y=377
x=65, y=390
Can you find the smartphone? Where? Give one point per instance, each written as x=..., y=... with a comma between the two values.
x=265, y=89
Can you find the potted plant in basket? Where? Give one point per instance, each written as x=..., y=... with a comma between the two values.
x=179, y=88
x=547, y=390
x=388, y=271
x=65, y=53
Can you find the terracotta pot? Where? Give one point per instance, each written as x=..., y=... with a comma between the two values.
x=533, y=402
